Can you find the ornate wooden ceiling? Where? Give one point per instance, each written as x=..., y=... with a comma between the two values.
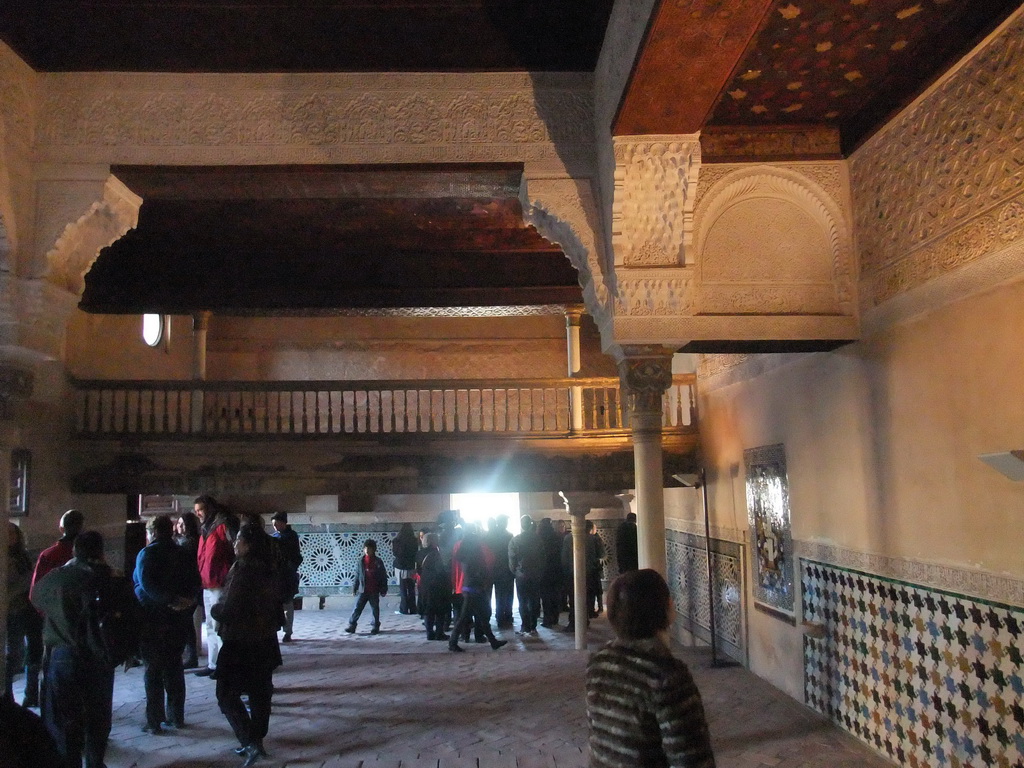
x=761, y=79
x=272, y=239
x=839, y=68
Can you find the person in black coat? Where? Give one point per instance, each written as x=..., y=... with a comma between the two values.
x=248, y=614
x=289, y=558
x=435, y=588
x=404, y=547
x=551, y=586
x=497, y=540
x=626, y=545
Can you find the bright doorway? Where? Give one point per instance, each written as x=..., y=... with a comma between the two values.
x=481, y=507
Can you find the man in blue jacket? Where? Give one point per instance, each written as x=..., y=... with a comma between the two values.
x=166, y=581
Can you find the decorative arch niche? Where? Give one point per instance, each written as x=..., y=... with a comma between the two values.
x=772, y=242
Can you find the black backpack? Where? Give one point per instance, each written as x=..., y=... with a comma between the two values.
x=110, y=622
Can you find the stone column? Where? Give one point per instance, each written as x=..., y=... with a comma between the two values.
x=646, y=373
x=578, y=509
x=200, y=325
x=573, y=315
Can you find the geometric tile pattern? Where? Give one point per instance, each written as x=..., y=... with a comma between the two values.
x=929, y=677
x=330, y=555
x=688, y=583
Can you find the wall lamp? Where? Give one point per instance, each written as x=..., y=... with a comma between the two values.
x=697, y=480
x=1008, y=463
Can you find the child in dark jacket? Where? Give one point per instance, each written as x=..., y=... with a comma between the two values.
x=371, y=584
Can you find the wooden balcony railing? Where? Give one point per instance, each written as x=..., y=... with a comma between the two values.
x=521, y=407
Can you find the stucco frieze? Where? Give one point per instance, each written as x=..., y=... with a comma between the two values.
x=976, y=239
x=652, y=209
x=936, y=188
x=963, y=581
x=17, y=97
x=657, y=293
x=318, y=118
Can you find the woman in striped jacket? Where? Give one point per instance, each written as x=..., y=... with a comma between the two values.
x=642, y=704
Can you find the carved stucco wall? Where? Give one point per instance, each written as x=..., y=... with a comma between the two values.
x=942, y=187
x=17, y=124
x=541, y=120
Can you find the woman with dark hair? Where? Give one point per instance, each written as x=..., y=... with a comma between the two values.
x=643, y=707
x=249, y=615
x=186, y=534
x=404, y=547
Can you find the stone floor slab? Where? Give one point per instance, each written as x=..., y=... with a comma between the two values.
x=397, y=700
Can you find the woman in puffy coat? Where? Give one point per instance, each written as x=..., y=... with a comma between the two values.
x=249, y=615
x=643, y=707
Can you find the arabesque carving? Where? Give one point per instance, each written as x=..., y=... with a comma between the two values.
x=669, y=293
x=817, y=255
x=105, y=221
x=655, y=189
x=941, y=186
x=357, y=117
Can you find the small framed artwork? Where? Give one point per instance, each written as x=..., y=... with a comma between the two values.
x=21, y=464
x=771, y=537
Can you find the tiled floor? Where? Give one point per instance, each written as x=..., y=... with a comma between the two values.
x=396, y=701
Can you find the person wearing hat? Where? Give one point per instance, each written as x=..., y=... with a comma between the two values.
x=289, y=560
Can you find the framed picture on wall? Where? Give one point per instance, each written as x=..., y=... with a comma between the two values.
x=21, y=463
x=771, y=537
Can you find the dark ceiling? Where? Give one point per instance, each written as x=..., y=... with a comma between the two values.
x=761, y=79
x=305, y=35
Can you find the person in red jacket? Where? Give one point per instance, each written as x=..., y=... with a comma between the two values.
x=215, y=556
x=71, y=524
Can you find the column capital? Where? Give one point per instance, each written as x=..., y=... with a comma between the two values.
x=581, y=503
x=201, y=320
x=645, y=372
x=574, y=315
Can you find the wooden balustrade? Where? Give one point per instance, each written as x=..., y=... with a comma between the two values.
x=517, y=407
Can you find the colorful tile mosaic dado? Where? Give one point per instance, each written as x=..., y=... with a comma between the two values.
x=929, y=677
x=688, y=582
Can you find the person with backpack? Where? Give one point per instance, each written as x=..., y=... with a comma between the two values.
x=166, y=582
x=476, y=563
x=79, y=680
